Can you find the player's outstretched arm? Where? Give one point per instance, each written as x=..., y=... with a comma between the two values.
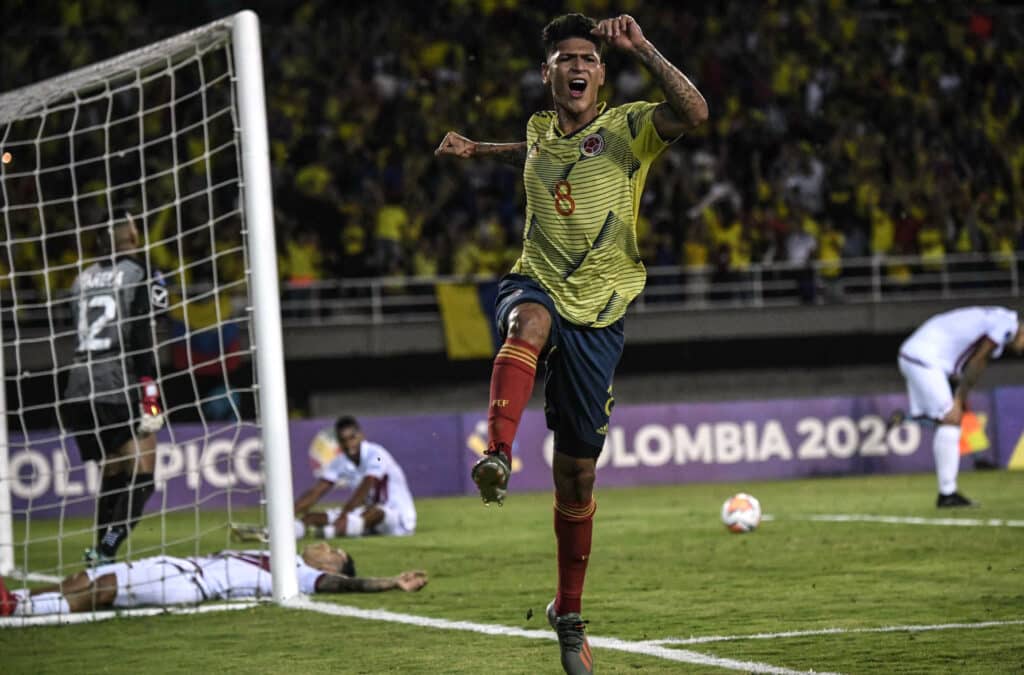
x=684, y=107
x=311, y=496
x=337, y=583
x=456, y=144
x=360, y=494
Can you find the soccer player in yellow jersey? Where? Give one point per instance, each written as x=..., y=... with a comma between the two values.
x=584, y=171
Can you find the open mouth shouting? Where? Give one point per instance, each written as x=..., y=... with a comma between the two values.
x=577, y=87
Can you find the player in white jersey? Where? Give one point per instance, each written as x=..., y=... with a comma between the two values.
x=953, y=345
x=167, y=580
x=381, y=502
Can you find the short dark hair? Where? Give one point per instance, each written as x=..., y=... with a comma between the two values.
x=116, y=237
x=349, y=568
x=569, y=26
x=344, y=422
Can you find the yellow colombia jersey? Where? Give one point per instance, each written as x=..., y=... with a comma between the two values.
x=582, y=199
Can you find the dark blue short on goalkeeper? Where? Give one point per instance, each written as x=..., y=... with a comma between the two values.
x=579, y=368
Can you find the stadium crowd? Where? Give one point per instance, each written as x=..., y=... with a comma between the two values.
x=838, y=129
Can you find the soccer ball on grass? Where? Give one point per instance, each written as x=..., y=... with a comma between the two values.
x=741, y=513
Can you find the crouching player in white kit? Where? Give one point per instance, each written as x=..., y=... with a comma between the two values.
x=957, y=344
x=227, y=575
x=381, y=502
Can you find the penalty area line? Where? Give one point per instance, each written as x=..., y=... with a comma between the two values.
x=644, y=648
x=913, y=520
x=837, y=631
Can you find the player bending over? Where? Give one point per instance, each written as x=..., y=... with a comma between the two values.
x=227, y=575
x=584, y=167
x=958, y=345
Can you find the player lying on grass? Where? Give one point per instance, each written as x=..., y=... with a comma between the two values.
x=227, y=575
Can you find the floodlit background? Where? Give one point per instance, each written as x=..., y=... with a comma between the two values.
x=862, y=169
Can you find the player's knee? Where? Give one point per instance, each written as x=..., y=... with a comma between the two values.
x=127, y=450
x=115, y=465
x=585, y=479
x=373, y=516
x=355, y=525
x=75, y=583
x=574, y=477
x=105, y=595
x=350, y=525
x=953, y=417
x=578, y=489
x=147, y=454
x=100, y=593
x=530, y=322
x=147, y=462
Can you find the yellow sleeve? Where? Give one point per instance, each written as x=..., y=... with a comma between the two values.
x=647, y=143
x=534, y=126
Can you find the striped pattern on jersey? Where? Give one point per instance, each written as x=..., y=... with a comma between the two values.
x=582, y=199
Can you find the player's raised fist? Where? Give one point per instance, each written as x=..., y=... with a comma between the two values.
x=621, y=32
x=456, y=144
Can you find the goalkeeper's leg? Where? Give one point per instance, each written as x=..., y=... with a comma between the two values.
x=143, y=485
x=140, y=458
x=112, y=488
x=99, y=430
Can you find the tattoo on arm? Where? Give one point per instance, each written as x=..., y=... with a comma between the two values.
x=508, y=153
x=680, y=94
x=336, y=583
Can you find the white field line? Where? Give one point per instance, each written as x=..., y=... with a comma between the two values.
x=836, y=631
x=913, y=520
x=645, y=648
x=92, y=617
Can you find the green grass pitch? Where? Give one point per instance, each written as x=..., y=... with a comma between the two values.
x=662, y=567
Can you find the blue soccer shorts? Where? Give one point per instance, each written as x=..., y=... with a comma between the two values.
x=579, y=367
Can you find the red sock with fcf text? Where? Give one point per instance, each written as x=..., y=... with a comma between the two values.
x=515, y=368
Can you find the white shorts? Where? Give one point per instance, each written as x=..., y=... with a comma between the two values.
x=160, y=580
x=398, y=521
x=927, y=388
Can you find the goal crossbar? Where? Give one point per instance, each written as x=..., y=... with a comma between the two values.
x=38, y=96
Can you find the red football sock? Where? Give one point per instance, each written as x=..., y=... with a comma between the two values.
x=574, y=525
x=515, y=368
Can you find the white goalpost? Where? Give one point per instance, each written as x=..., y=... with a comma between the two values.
x=267, y=306
x=172, y=138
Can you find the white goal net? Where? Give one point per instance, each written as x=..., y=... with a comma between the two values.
x=170, y=138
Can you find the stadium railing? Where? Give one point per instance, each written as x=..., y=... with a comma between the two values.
x=677, y=288
x=383, y=300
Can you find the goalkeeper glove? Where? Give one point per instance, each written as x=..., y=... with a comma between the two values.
x=152, y=417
